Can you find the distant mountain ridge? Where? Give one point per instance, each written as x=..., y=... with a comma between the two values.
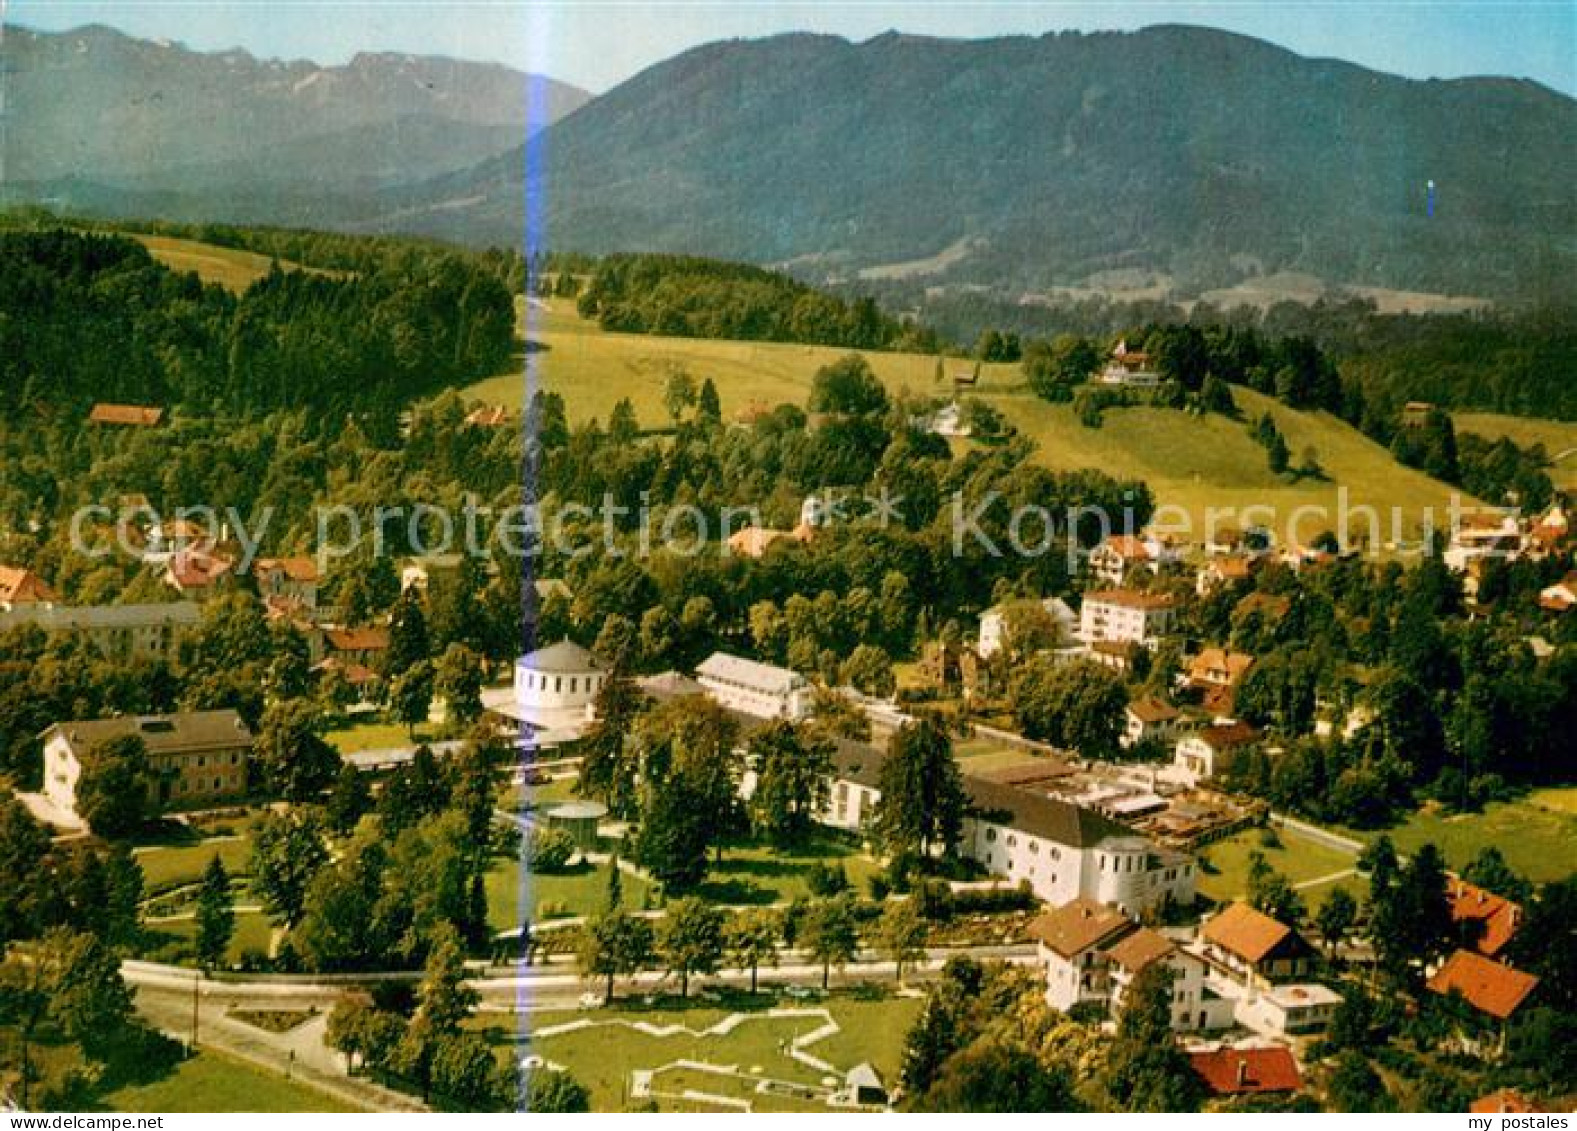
x=1205, y=155
x=102, y=111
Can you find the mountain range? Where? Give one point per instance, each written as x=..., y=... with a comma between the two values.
x=93, y=116
x=1182, y=157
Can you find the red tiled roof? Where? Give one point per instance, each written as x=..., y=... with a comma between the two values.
x=1129, y=547
x=1506, y=1101
x=1132, y=599
x=1499, y=917
x=371, y=639
x=1247, y=933
x=1238, y=1072
x=23, y=587
x=194, y=569
x=1487, y=986
x=1077, y=926
x=1140, y=949
x=297, y=569
x=142, y=415
x=1152, y=710
x=1226, y=736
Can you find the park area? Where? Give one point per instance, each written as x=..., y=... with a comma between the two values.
x=750, y=1053
x=1313, y=867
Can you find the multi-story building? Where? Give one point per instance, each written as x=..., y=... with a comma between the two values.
x=758, y=689
x=194, y=758
x=119, y=632
x=1126, y=616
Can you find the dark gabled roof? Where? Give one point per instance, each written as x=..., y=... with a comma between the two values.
x=161, y=734
x=858, y=762
x=1035, y=814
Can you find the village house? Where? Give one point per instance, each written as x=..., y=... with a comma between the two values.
x=198, y=573
x=1092, y=953
x=1550, y=534
x=1493, y=989
x=1210, y=750
x=287, y=582
x=1289, y=1010
x=1119, y=558
x=1252, y=950
x=137, y=416
x=1248, y=1071
x=754, y=688
x=22, y=587
x=855, y=788
x=1561, y=596
x=119, y=632
x=1487, y=921
x=351, y=649
x=1480, y=536
x=754, y=541
x=1224, y=569
x=1130, y=368
x=994, y=623
x=1146, y=718
x=1127, y=616
x=194, y=758
x=1215, y=675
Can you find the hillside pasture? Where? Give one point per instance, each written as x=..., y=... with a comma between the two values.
x=232, y=268
x=1194, y=463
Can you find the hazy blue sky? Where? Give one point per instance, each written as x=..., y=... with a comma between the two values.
x=597, y=43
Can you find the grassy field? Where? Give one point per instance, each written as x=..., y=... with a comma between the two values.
x=1190, y=462
x=376, y=736
x=1536, y=834
x=168, y=867
x=579, y=891
x=229, y=267
x=175, y=940
x=604, y=1055
x=1557, y=436
x=213, y=1082
x=761, y=874
x=1297, y=858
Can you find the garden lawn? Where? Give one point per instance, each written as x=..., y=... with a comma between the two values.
x=1297, y=858
x=170, y=867
x=376, y=736
x=175, y=940
x=580, y=891
x=762, y=874
x=603, y=1057
x=214, y=1082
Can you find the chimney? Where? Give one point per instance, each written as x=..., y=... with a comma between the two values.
x=1242, y=1072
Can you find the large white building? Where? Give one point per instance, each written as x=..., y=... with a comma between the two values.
x=1066, y=851
x=554, y=694
x=758, y=689
x=1126, y=616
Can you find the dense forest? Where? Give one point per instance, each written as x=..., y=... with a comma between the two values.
x=705, y=298
x=87, y=317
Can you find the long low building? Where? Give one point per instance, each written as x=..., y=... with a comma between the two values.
x=120, y=632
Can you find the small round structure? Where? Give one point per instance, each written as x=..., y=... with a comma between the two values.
x=579, y=819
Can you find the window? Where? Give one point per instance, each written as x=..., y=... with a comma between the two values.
x=1034, y=848
x=991, y=835
x=1012, y=841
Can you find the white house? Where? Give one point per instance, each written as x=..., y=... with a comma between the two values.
x=994, y=624
x=1210, y=750
x=1119, y=557
x=1126, y=616
x=855, y=788
x=1148, y=717
x=1289, y=1010
x=1093, y=953
x=754, y=688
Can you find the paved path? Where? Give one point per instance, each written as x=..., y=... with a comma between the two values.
x=299, y=1054
x=1330, y=879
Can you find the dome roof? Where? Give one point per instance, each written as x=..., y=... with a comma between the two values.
x=564, y=658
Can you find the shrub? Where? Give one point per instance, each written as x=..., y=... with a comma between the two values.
x=549, y=850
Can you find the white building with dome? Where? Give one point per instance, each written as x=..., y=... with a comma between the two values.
x=554, y=693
